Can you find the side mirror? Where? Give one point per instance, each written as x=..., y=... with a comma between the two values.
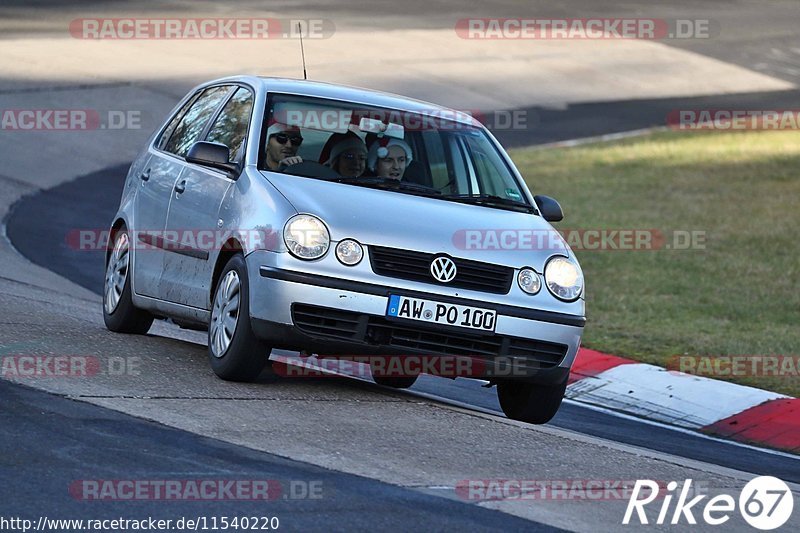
x=549, y=208
x=214, y=155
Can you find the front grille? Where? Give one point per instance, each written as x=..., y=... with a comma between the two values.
x=415, y=266
x=377, y=330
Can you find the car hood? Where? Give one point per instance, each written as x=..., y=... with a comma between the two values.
x=399, y=220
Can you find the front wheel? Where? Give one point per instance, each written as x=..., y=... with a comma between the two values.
x=234, y=351
x=526, y=402
x=119, y=313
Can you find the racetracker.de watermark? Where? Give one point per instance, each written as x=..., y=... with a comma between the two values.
x=32, y=366
x=69, y=119
x=385, y=120
x=553, y=489
x=601, y=28
x=195, y=489
x=731, y=366
x=207, y=28
x=370, y=366
x=92, y=240
x=583, y=239
x=734, y=119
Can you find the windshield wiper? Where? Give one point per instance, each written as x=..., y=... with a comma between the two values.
x=391, y=184
x=490, y=200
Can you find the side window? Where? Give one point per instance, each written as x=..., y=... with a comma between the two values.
x=167, y=133
x=437, y=161
x=191, y=126
x=230, y=128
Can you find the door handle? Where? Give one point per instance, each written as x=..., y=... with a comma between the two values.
x=180, y=186
x=145, y=175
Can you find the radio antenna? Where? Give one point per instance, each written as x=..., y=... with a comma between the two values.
x=302, y=51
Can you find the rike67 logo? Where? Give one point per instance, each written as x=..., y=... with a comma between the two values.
x=765, y=503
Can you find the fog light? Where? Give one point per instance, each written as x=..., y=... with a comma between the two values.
x=529, y=281
x=349, y=252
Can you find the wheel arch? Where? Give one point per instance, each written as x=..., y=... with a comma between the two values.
x=115, y=227
x=231, y=248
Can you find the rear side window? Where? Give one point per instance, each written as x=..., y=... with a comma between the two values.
x=230, y=128
x=194, y=121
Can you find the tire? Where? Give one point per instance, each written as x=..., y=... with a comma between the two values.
x=119, y=313
x=235, y=353
x=526, y=402
x=396, y=382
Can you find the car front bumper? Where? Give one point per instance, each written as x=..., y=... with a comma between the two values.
x=349, y=319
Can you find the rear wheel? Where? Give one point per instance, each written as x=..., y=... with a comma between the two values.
x=234, y=351
x=526, y=402
x=119, y=313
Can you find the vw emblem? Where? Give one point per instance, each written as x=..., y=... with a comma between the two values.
x=443, y=269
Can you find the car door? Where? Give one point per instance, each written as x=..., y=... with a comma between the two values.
x=157, y=183
x=194, y=209
x=150, y=205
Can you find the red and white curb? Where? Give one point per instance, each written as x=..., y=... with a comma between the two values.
x=714, y=407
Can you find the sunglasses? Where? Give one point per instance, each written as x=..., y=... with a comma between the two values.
x=282, y=138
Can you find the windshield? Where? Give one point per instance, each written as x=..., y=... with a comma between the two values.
x=400, y=152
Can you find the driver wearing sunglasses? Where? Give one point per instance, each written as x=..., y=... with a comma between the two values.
x=282, y=144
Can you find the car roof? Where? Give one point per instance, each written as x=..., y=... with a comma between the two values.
x=358, y=95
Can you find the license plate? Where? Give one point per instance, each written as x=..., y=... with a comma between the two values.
x=440, y=313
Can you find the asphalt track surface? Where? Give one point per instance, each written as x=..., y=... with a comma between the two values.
x=43, y=227
x=758, y=35
x=50, y=441
x=592, y=119
x=62, y=436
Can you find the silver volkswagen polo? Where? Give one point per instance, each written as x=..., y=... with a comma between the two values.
x=346, y=223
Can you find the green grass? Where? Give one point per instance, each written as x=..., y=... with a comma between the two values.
x=738, y=296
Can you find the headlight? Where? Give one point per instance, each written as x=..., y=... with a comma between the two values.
x=306, y=237
x=349, y=252
x=529, y=281
x=564, y=278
